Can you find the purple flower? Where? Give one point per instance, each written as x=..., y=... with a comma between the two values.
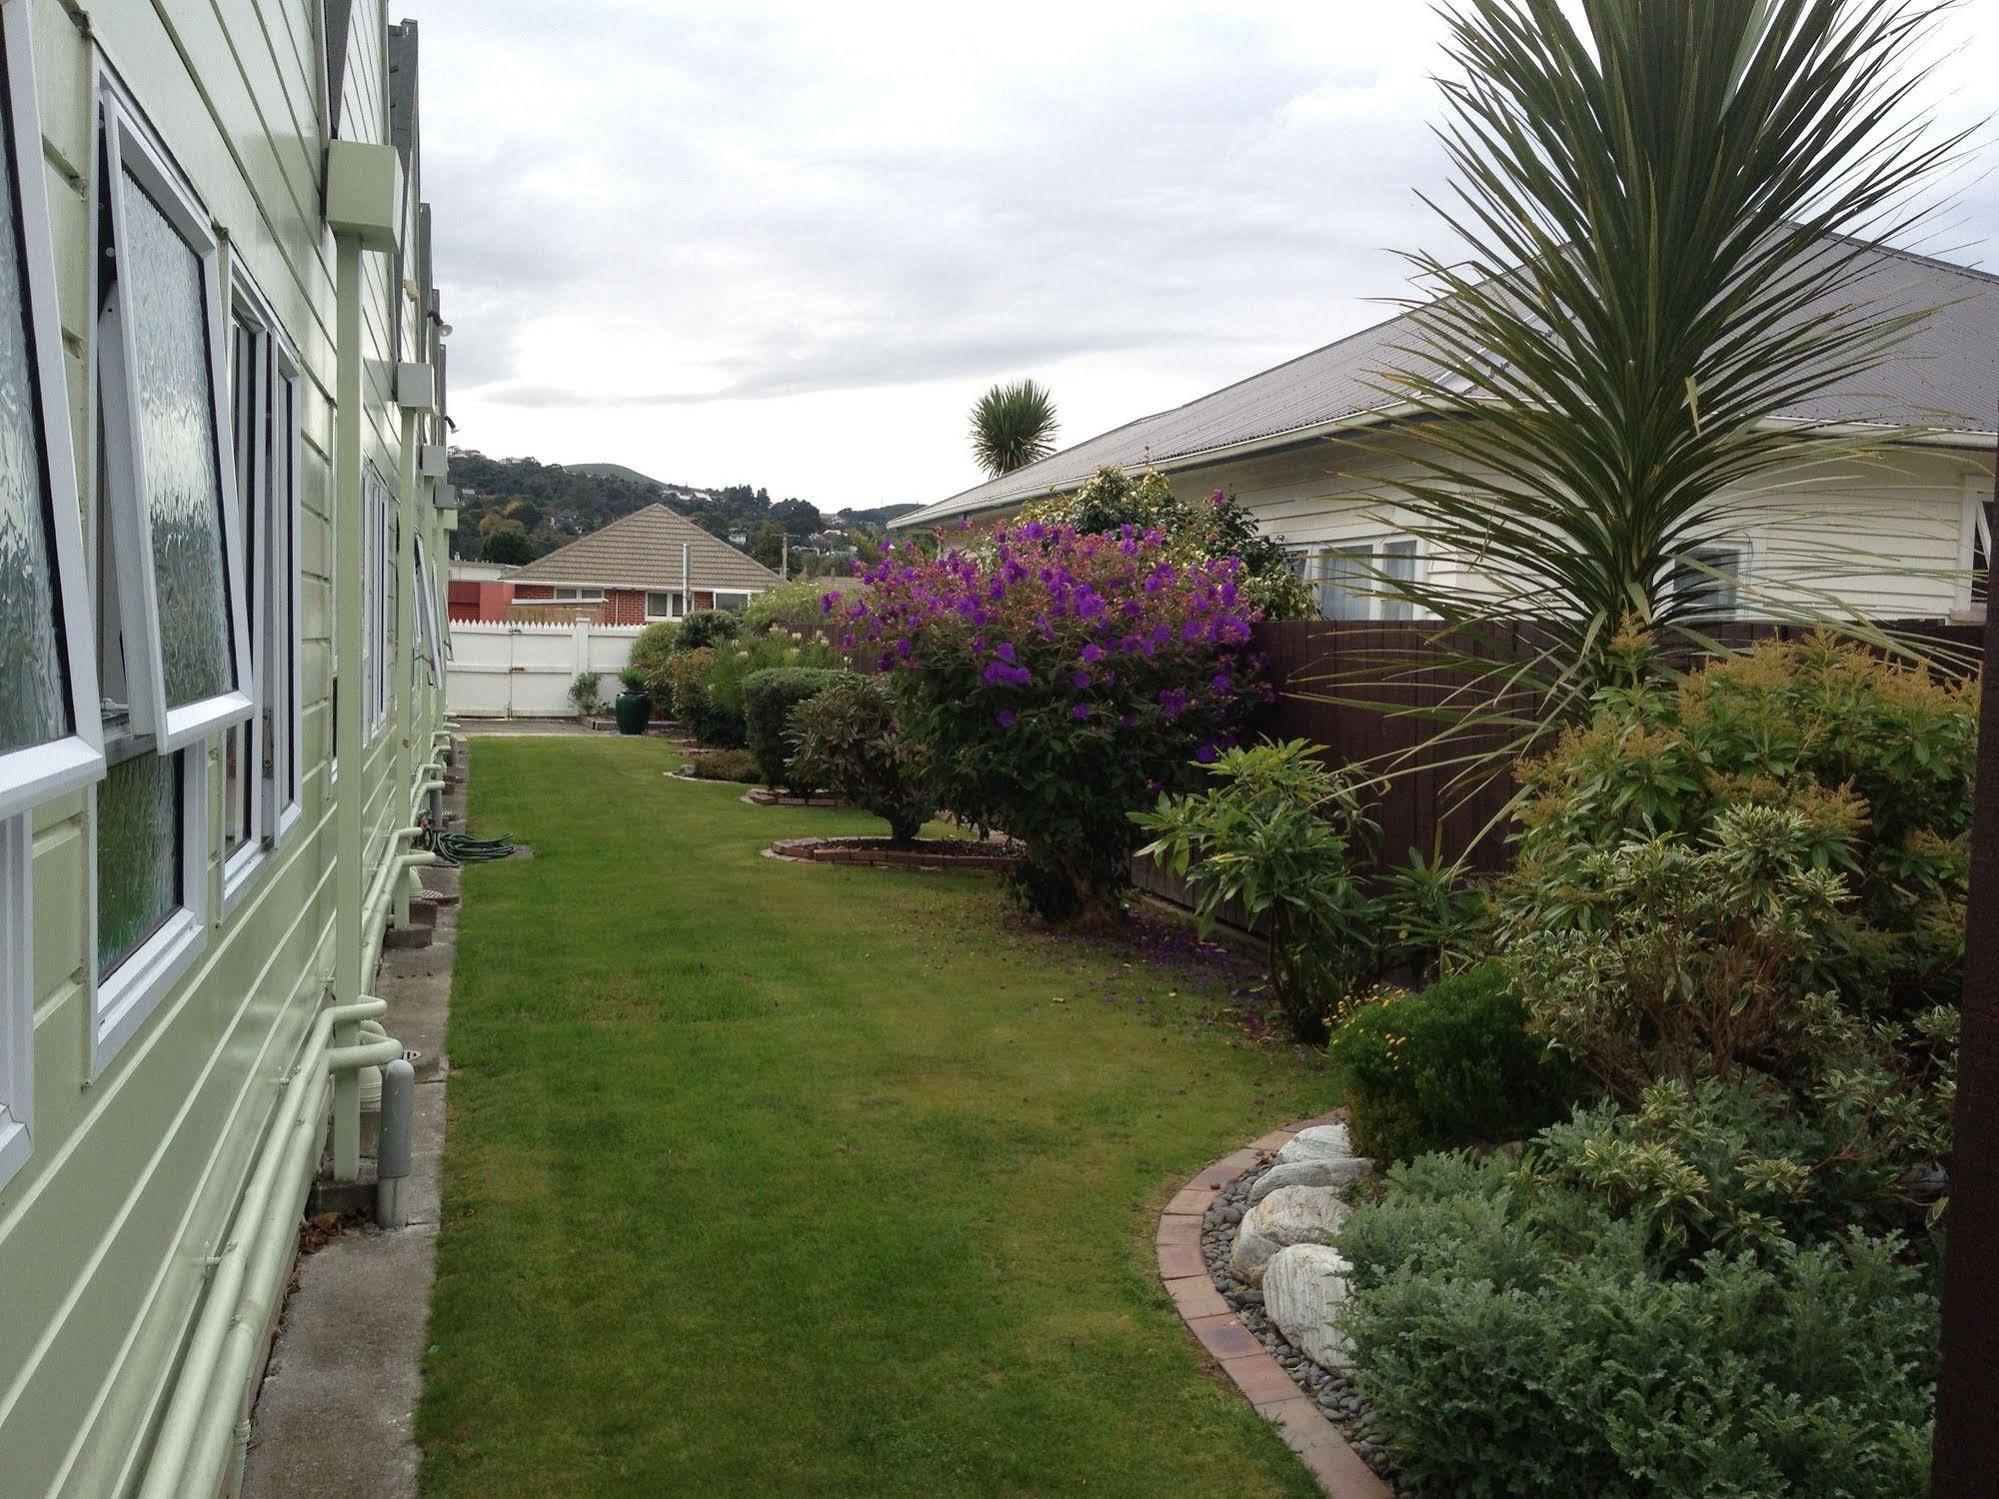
x=1004, y=718
x=1221, y=682
x=1206, y=753
x=1093, y=653
x=1080, y=680
x=1080, y=712
x=1005, y=651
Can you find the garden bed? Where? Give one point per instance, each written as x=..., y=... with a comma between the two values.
x=763, y=796
x=881, y=853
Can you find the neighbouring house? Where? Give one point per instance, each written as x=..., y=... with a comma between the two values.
x=220, y=690
x=478, y=590
x=651, y=564
x=1306, y=447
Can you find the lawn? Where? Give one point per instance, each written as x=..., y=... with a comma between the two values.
x=768, y=1178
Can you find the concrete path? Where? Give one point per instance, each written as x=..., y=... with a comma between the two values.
x=335, y=1416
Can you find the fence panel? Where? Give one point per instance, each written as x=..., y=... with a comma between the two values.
x=506, y=670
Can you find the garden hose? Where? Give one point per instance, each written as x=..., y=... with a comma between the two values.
x=457, y=849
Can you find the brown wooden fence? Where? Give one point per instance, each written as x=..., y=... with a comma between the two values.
x=1390, y=709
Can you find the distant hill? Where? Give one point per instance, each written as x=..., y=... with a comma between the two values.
x=616, y=471
x=541, y=506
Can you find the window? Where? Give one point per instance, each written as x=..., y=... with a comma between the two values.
x=1347, y=580
x=566, y=595
x=378, y=604
x=172, y=494
x=49, y=738
x=1711, y=576
x=172, y=639
x=732, y=602
x=259, y=759
x=671, y=605
x=430, y=637
x=1974, y=548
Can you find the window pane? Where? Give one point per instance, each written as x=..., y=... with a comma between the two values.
x=1715, y=596
x=1343, y=584
x=1398, y=564
x=163, y=301
x=138, y=855
x=34, y=702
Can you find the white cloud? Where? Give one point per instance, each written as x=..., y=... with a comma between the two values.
x=790, y=243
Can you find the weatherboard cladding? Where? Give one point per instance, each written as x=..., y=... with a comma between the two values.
x=642, y=550
x=1945, y=377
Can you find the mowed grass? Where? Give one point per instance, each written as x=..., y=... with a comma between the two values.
x=767, y=1178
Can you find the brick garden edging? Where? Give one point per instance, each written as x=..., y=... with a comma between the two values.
x=1339, y=1470
x=843, y=851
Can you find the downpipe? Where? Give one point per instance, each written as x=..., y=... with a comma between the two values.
x=193, y=1447
x=375, y=911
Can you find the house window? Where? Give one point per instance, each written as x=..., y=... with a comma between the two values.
x=672, y=605
x=429, y=634
x=1974, y=549
x=378, y=603
x=1711, y=578
x=171, y=497
x=1348, y=580
x=565, y=595
x=49, y=739
x=732, y=602
x=172, y=642
x=259, y=757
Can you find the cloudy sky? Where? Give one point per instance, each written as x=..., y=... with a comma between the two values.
x=789, y=244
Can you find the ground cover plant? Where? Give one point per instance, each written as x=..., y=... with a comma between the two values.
x=786, y=1178
x=1055, y=682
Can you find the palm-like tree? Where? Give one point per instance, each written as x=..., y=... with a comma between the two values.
x=1670, y=210
x=1012, y=426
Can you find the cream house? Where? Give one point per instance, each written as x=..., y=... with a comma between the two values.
x=1309, y=447
x=220, y=686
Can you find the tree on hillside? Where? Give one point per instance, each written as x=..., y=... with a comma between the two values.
x=1012, y=426
x=508, y=544
x=767, y=546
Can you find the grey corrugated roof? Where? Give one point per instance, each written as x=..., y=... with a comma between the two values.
x=642, y=550
x=1945, y=377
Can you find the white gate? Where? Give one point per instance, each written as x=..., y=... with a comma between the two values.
x=523, y=671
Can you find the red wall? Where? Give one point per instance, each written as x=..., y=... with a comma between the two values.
x=474, y=601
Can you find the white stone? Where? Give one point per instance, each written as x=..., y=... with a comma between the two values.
x=1290, y=1215
x=1321, y=1142
x=1323, y=1172
x=1303, y=1287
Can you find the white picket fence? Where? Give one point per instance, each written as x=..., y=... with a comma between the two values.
x=524, y=671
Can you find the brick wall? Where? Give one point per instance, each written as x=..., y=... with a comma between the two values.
x=623, y=606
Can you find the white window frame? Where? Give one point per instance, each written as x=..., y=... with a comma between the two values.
x=287, y=785
x=377, y=560
x=38, y=772
x=565, y=593
x=1738, y=580
x=265, y=742
x=124, y=999
x=129, y=146
x=1316, y=575
x=17, y=993
x=742, y=595
x=676, y=603
x=429, y=634
x=1974, y=529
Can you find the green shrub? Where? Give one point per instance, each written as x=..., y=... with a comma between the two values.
x=653, y=644
x=683, y=684
x=1518, y=1337
x=706, y=627
x=1434, y=921
x=1278, y=835
x=586, y=692
x=769, y=696
x=847, y=740
x=791, y=608
x=632, y=679
x=1453, y=1065
x=726, y=765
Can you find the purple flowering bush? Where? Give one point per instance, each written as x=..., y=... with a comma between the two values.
x=1055, y=682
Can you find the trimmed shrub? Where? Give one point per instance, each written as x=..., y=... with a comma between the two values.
x=847, y=740
x=726, y=765
x=706, y=627
x=586, y=692
x=769, y=696
x=1453, y=1065
x=653, y=644
x=1518, y=1337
